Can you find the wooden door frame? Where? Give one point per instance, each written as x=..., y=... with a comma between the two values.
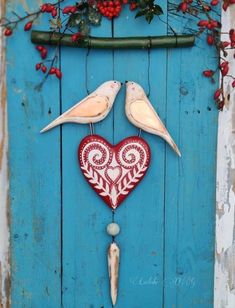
x=224, y=284
x=4, y=182
x=224, y=273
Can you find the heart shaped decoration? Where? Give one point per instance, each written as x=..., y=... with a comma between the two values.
x=113, y=171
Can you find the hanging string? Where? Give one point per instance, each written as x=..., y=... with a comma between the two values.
x=86, y=70
x=149, y=64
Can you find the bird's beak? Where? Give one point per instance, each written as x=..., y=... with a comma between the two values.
x=121, y=83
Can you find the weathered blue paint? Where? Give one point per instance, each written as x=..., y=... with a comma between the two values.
x=58, y=224
x=34, y=178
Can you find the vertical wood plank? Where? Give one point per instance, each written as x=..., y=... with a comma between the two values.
x=190, y=181
x=4, y=180
x=85, y=216
x=224, y=283
x=141, y=215
x=34, y=176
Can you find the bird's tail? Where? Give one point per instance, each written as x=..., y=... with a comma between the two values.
x=171, y=142
x=54, y=123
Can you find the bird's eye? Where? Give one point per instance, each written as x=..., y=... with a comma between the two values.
x=115, y=81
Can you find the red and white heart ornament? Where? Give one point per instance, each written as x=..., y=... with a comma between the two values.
x=113, y=171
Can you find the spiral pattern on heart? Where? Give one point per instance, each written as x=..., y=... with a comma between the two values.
x=130, y=155
x=97, y=155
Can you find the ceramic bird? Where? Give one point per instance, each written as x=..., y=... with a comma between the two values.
x=93, y=108
x=141, y=113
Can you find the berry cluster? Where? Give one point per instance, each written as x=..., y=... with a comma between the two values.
x=42, y=50
x=41, y=65
x=212, y=29
x=227, y=3
x=70, y=9
x=49, y=8
x=109, y=9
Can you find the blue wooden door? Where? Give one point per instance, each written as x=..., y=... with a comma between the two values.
x=58, y=238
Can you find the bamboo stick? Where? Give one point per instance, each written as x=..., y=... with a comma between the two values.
x=145, y=42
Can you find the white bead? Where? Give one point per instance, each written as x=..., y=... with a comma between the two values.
x=113, y=229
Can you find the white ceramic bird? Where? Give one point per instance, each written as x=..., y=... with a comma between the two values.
x=93, y=108
x=141, y=113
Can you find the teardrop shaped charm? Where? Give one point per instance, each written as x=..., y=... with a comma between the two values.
x=113, y=266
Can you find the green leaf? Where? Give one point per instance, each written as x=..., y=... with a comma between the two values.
x=157, y=10
x=74, y=20
x=149, y=16
x=141, y=13
x=94, y=16
x=84, y=28
x=142, y=4
x=82, y=6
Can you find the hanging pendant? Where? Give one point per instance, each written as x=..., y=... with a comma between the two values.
x=113, y=268
x=113, y=171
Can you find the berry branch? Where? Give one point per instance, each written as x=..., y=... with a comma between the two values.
x=211, y=27
x=73, y=22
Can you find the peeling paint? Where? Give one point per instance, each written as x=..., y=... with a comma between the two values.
x=4, y=186
x=224, y=288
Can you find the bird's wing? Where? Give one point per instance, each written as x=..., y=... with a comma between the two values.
x=145, y=115
x=93, y=106
x=87, y=111
x=146, y=118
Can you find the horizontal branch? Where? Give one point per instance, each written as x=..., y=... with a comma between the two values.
x=144, y=42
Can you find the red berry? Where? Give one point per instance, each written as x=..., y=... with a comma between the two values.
x=73, y=9
x=58, y=73
x=49, y=8
x=54, y=12
x=133, y=6
x=74, y=38
x=210, y=39
x=224, y=70
x=44, y=69
x=214, y=23
x=225, y=6
x=39, y=47
x=44, y=7
x=203, y=23
x=217, y=94
x=225, y=44
x=8, y=32
x=183, y=7
x=224, y=64
x=28, y=26
x=66, y=10
x=44, y=53
x=214, y=2
x=208, y=73
x=38, y=66
x=52, y=71
x=221, y=105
